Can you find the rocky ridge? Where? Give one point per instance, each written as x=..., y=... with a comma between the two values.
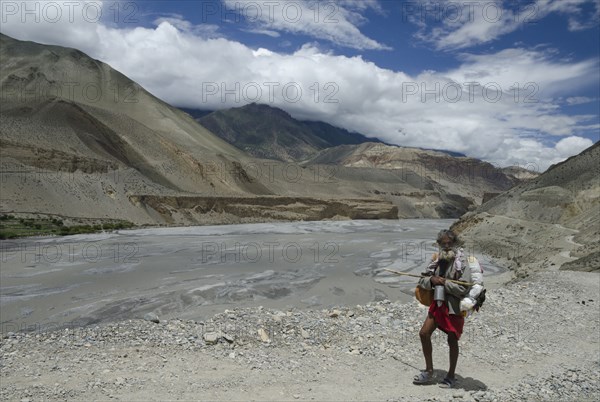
x=557, y=210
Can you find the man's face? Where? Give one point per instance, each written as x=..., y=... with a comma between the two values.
x=446, y=244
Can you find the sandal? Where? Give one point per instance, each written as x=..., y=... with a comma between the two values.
x=448, y=383
x=424, y=377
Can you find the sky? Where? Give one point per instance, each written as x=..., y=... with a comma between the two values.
x=509, y=82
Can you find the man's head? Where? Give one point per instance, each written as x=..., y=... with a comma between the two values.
x=447, y=240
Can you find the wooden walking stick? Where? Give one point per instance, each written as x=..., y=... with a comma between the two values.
x=424, y=296
x=420, y=276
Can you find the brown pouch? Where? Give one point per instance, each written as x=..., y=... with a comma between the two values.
x=424, y=296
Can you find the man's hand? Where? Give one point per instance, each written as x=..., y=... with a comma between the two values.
x=438, y=281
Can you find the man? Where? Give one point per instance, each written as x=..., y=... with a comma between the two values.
x=444, y=314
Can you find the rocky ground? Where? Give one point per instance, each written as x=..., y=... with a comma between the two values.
x=535, y=339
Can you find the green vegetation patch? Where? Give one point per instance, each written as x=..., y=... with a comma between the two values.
x=12, y=227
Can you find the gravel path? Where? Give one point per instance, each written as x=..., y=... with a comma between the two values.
x=536, y=339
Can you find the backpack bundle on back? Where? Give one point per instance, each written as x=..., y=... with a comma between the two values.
x=476, y=296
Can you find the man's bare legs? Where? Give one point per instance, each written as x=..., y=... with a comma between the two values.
x=453, y=344
x=425, y=334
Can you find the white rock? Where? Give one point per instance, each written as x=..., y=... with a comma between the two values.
x=264, y=336
x=151, y=317
x=211, y=338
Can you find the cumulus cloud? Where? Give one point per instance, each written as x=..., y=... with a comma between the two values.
x=572, y=146
x=458, y=25
x=472, y=109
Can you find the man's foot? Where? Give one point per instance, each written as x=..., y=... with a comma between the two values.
x=424, y=377
x=448, y=383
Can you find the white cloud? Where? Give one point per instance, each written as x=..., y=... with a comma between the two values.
x=532, y=73
x=272, y=34
x=203, y=30
x=459, y=25
x=572, y=146
x=579, y=100
x=433, y=109
x=361, y=5
x=333, y=21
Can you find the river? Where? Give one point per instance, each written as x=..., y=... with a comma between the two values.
x=194, y=272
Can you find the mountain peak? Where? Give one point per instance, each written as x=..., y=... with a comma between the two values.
x=268, y=132
x=263, y=108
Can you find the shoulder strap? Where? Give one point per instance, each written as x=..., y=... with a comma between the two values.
x=443, y=267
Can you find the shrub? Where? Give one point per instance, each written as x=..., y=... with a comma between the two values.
x=8, y=235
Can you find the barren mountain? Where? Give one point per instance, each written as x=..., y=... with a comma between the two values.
x=557, y=211
x=460, y=180
x=63, y=111
x=82, y=141
x=271, y=133
x=521, y=173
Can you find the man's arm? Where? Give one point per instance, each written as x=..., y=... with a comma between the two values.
x=425, y=282
x=456, y=289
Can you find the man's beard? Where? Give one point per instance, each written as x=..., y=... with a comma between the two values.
x=447, y=255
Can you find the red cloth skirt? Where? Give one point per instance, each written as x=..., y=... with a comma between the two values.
x=445, y=321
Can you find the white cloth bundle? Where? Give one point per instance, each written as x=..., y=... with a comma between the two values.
x=468, y=302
